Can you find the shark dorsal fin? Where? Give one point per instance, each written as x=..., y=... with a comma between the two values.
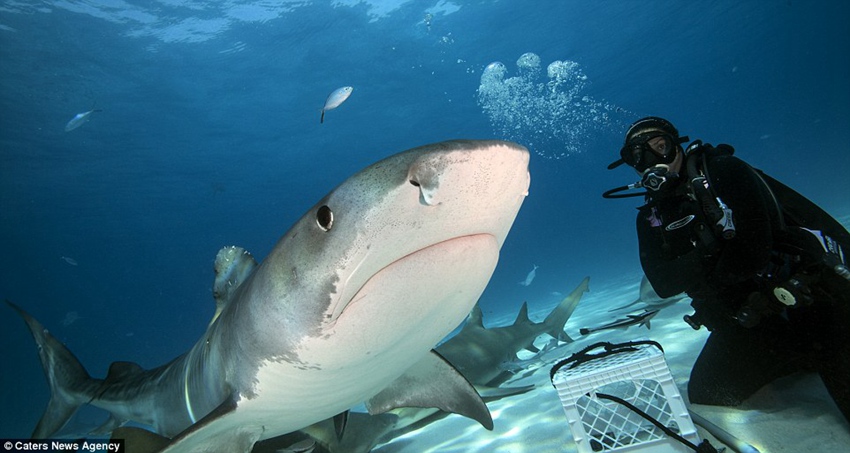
x=476, y=318
x=233, y=265
x=522, y=316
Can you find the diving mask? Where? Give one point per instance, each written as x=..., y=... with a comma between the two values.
x=648, y=150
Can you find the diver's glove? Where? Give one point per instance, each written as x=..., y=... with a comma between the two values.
x=816, y=250
x=756, y=307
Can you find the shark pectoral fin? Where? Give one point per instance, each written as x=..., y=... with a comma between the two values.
x=233, y=265
x=218, y=432
x=138, y=440
x=304, y=446
x=433, y=382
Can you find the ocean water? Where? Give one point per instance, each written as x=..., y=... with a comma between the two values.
x=207, y=134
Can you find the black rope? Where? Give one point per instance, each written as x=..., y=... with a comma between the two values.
x=585, y=356
x=703, y=447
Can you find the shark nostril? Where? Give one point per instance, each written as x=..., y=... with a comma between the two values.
x=425, y=176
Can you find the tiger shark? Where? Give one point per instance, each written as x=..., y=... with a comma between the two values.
x=345, y=309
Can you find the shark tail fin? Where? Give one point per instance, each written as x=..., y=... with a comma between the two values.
x=557, y=319
x=70, y=384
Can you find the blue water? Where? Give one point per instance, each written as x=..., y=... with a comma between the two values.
x=209, y=136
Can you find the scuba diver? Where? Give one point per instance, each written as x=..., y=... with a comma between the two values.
x=766, y=268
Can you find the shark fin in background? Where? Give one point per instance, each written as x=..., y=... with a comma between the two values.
x=70, y=384
x=433, y=382
x=556, y=320
x=476, y=318
x=523, y=321
x=340, y=422
x=522, y=316
x=233, y=265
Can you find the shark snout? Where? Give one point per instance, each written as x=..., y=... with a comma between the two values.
x=481, y=176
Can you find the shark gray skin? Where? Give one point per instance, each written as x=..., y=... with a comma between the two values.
x=651, y=299
x=640, y=319
x=479, y=353
x=344, y=309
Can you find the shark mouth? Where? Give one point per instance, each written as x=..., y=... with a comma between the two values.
x=426, y=270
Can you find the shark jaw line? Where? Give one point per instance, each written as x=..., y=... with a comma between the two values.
x=448, y=243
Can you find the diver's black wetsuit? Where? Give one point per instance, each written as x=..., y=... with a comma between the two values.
x=755, y=338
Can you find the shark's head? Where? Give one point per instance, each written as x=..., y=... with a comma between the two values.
x=391, y=260
x=430, y=201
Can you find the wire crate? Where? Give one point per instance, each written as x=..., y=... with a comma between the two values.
x=633, y=374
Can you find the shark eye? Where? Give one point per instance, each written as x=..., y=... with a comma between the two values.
x=325, y=218
x=414, y=182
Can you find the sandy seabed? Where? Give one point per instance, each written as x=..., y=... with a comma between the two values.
x=793, y=414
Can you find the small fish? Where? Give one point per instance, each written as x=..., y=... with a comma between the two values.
x=79, y=119
x=337, y=97
x=70, y=318
x=530, y=277
x=69, y=260
x=624, y=323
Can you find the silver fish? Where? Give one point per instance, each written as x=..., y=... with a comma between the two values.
x=337, y=97
x=530, y=277
x=79, y=119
